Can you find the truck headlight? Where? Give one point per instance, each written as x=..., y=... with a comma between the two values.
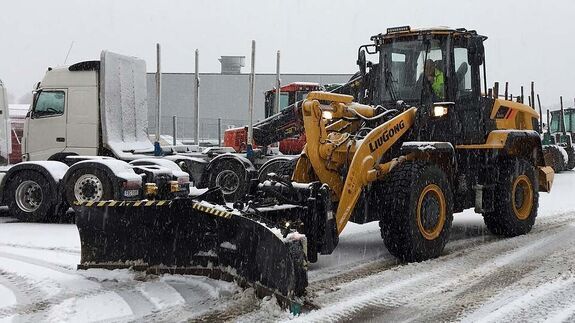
x=439, y=111
x=328, y=115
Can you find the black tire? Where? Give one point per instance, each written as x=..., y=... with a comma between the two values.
x=553, y=157
x=231, y=176
x=281, y=166
x=413, y=190
x=29, y=197
x=516, y=199
x=571, y=158
x=88, y=185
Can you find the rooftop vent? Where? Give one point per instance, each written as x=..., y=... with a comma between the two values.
x=232, y=64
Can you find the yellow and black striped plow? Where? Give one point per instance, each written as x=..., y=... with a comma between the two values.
x=190, y=236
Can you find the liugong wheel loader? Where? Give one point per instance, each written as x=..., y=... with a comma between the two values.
x=420, y=143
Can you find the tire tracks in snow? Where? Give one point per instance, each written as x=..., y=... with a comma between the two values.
x=56, y=249
x=413, y=282
x=27, y=295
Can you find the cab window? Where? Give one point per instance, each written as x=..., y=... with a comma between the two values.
x=462, y=72
x=48, y=104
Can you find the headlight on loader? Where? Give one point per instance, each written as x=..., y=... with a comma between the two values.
x=439, y=111
x=328, y=115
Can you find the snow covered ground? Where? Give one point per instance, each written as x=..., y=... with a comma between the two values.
x=480, y=277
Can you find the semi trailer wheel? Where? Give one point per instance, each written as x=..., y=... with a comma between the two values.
x=417, y=211
x=282, y=166
x=29, y=197
x=230, y=176
x=89, y=185
x=516, y=199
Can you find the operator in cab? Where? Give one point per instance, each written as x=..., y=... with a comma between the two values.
x=435, y=80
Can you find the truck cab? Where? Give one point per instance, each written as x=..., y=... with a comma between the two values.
x=64, y=117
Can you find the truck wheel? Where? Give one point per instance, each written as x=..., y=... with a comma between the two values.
x=230, y=176
x=416, y=212
x=516, y=200
x=29, y=197
x=89, y=185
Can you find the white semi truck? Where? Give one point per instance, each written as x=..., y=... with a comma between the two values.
x=85, y=140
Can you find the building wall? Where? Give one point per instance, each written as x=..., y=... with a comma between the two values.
x=221, y=96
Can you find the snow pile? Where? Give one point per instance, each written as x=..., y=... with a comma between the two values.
x=564, y=153
x=161, y=294
x=7, y=297
x=92, y=308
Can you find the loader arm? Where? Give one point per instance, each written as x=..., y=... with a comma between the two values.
x=328, y=151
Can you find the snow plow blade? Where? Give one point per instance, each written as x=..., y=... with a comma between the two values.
x=192, y=236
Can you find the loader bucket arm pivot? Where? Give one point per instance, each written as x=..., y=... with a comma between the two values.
x=365, y=163
x=326, y=147
x=191, y=236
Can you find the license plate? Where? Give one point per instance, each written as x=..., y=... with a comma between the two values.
x=131, y=193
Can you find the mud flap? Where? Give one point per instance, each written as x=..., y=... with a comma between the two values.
x=187, y=236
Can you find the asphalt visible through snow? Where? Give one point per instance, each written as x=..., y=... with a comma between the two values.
x=480, y=277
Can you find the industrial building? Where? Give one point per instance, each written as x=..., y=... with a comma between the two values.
x=223, y=96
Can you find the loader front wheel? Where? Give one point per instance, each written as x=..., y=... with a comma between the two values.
x=516, y=200
x=417, y=211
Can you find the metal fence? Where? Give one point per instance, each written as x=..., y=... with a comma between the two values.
x=211, y=129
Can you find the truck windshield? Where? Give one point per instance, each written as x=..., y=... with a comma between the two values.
x=410, y=67
x=49, y=103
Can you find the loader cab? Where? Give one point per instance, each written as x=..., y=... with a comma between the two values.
x=436, y=70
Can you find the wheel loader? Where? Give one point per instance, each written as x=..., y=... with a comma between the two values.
x=412, y=142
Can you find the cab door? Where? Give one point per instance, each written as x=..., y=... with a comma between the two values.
x=46, y=125
x=467, y=97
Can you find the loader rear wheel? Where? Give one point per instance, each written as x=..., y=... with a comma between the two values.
x=516, y=200
x=29, y=198
x=417, y=211
x=89, y=185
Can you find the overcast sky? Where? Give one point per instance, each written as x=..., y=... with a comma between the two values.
x=528, y=40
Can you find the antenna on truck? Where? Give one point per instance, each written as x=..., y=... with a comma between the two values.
x=68, y=54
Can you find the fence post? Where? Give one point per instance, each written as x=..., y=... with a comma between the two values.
x=174, y=129
x=219, y=132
